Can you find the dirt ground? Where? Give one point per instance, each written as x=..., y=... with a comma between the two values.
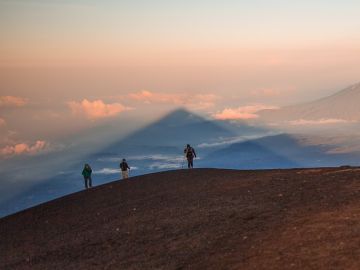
x=195, y=219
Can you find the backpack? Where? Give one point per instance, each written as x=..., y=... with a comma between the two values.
x=189, y=151
x=123, y=166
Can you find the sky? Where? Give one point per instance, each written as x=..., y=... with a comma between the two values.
x=69, y=66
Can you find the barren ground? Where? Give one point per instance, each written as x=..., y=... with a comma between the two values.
x=198, y=219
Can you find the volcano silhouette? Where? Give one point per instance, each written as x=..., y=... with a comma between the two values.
x=343, y=106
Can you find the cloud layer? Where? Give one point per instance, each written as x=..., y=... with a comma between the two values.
x=96, y=109
x=323, y=121
x=195, y=102
x=265, y=92
x=242, y=113
x=11, y=101
x=23, y=148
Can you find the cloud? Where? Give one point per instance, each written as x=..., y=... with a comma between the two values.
x=203, y=101
x=265, y=92
x=242, y=113
x=153, y=157
x=96, y=109
x=158, y=157
x=11, y=101
x=196, y=102
x=107, y=171
x=162, y=166
x=112, y=170
x=145, y=96
x=2, y=122
x=322, y=121
x=23, y=148
x=232, y=140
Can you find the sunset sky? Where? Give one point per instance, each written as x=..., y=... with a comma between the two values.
x=67, y=65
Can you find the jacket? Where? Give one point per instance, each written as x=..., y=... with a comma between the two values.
x=124, y=166
x=87, y=172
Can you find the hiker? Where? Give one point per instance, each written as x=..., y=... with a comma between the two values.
x=190, y=155
x=87, y=176
x=124, y=169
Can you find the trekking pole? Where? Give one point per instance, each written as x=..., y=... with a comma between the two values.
x=184, y=162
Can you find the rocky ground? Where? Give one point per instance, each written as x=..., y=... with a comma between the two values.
x=198, y=219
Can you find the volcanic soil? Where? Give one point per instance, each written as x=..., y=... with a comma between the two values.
x=195, y=219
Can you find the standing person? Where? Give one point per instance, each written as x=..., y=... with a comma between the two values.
x=190, y=155
x=87, y=176
x=124, y=169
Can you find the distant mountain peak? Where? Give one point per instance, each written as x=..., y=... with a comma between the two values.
x=340, y=107
x=356, y=85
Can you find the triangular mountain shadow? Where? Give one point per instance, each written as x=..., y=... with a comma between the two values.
x=248, y=155
x=278, y=151
x=165, y=137
x=173, y=130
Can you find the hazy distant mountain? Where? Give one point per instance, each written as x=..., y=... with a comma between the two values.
x=342, y=106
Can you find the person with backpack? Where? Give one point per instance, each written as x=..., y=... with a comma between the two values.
x=124, y=169
x=190, y=155
x=87, y=176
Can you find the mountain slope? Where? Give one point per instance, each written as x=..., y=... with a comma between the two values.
x=343, y=105
x=198, y=219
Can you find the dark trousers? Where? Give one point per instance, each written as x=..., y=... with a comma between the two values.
x=88, y=182
x=190, y=162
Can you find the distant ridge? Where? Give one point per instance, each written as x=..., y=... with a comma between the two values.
x=343, y=105
x=195, y=219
